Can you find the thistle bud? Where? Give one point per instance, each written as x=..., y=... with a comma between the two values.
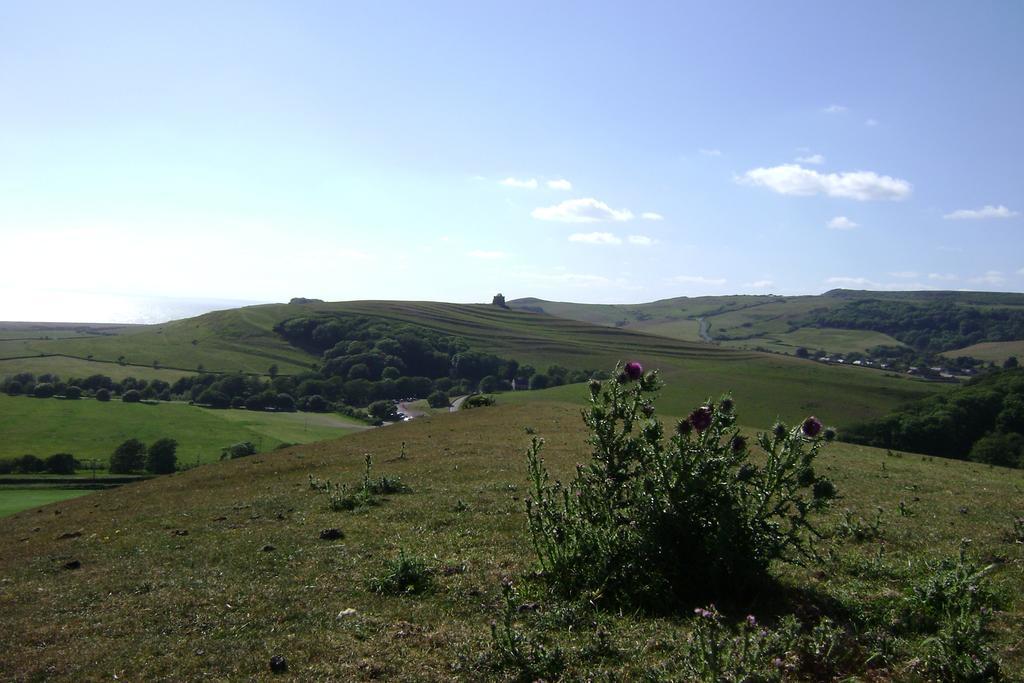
x=683, y=427
x=634, y=370
x=811, y=427
x=779, y=430
x=701, y=418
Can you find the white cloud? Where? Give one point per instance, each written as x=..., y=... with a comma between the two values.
x=834, y=109
x=760, y=284
x=947, y=277
x=652, y=216
x=871, y=122
x=524, y=183
x=711, y=152
x=698, y=280
x=793, y=179
x=587, y=210
x=560, y=184
x=487, y=255
x=815, y=159
x=904, y=273
x=991, y=277
x=595, y=238
x=641, y=240
x=987, y=211
x=841, y=223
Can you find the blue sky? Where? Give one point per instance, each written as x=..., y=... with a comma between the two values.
x=582, y=151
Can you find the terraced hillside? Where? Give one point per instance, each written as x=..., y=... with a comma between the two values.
x=243, y=340
x=776, y=323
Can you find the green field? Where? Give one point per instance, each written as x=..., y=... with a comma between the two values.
x=774, y=323
x=14, y=500
x=92, y=429
x=175, y=565
x=769, y=383
x=996, y=352
x=815, y=339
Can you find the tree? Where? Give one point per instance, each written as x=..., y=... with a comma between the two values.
x=129, y=457
x=382, y=410
x=214, y=399
x=131, y=396
x=102, y=394
x=314, y=404
x=285, y=403
x=540, y=382
x=802, y=352
x=999, y=449
x=438, y=399
x=14, y=388
x=162, y=457
x=61, y=463
x=1010, y=362
x=499, y=300
x=390, y=372
x=28, y=464
x=272, y=371
x=489, y=384
x=43, y=390
x=73, y=393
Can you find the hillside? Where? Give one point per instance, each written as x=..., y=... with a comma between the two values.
x=779, y=323
x=244, y=340
x=211, y=572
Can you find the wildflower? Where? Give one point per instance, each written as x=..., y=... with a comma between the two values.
x=751, y=620
x=726, y=405
x=811, y=427
x=738, y=443
x=779, y=430
x=634, y=370
x=701, y=418
x=595, y=387
x=777, y=663
x=683, y=427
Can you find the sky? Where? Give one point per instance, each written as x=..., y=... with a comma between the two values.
x=161, y=156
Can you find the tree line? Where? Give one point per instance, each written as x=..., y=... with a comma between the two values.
x=982, y=420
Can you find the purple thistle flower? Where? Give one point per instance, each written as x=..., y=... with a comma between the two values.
x=634, y=370
x=811, y=427
x=751, y=621
x=701, y=418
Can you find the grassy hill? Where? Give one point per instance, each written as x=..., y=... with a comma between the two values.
x=210, y=572
x=92, y=429
x=776, y=323
x=243, y=340
x=995, y=352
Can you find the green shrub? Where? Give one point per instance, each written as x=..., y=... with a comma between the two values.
x=403, y=576
x=478, y=401
x=241, y=449
x=651, y=520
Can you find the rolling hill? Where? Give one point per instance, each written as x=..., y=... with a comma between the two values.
x=243, y=340
x=775, y=323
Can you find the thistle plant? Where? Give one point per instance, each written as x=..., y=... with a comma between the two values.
x=654, y=518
